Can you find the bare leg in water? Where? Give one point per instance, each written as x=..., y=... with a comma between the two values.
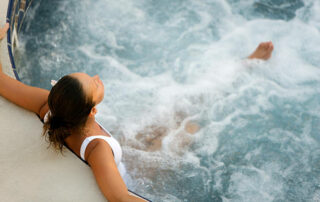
x=263, y=52
x=183, y=139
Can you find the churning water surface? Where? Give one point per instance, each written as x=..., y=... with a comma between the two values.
x=168, y=63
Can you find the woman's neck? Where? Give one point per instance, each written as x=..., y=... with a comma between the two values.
x=90, y=127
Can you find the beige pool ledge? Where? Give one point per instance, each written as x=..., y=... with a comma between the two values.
x=29, y=171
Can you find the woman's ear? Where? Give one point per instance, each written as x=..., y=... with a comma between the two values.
x=93, y=112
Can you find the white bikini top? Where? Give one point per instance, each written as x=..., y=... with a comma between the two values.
x=113, y=143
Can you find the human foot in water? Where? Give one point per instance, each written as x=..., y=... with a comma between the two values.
x=263, y=51
x=4, y=30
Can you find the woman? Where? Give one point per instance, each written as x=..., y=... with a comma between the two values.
x=69, y=110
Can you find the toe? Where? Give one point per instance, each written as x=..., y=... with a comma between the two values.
x=270, y=48
x=260, y=45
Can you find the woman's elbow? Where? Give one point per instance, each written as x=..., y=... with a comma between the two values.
x=119, y=198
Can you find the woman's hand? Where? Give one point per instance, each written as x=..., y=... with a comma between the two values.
x=4, y=30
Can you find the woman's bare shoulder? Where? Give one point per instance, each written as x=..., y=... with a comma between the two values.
x=107, y=174
x=99, y=151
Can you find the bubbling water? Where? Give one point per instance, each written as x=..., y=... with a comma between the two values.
x=166, y=64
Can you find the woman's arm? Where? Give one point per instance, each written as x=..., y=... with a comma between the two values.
x=31, y=98
x=106, y=173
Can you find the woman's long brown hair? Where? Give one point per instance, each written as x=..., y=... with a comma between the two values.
x=69, y=107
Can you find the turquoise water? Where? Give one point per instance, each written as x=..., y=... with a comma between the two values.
x=166, y=63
